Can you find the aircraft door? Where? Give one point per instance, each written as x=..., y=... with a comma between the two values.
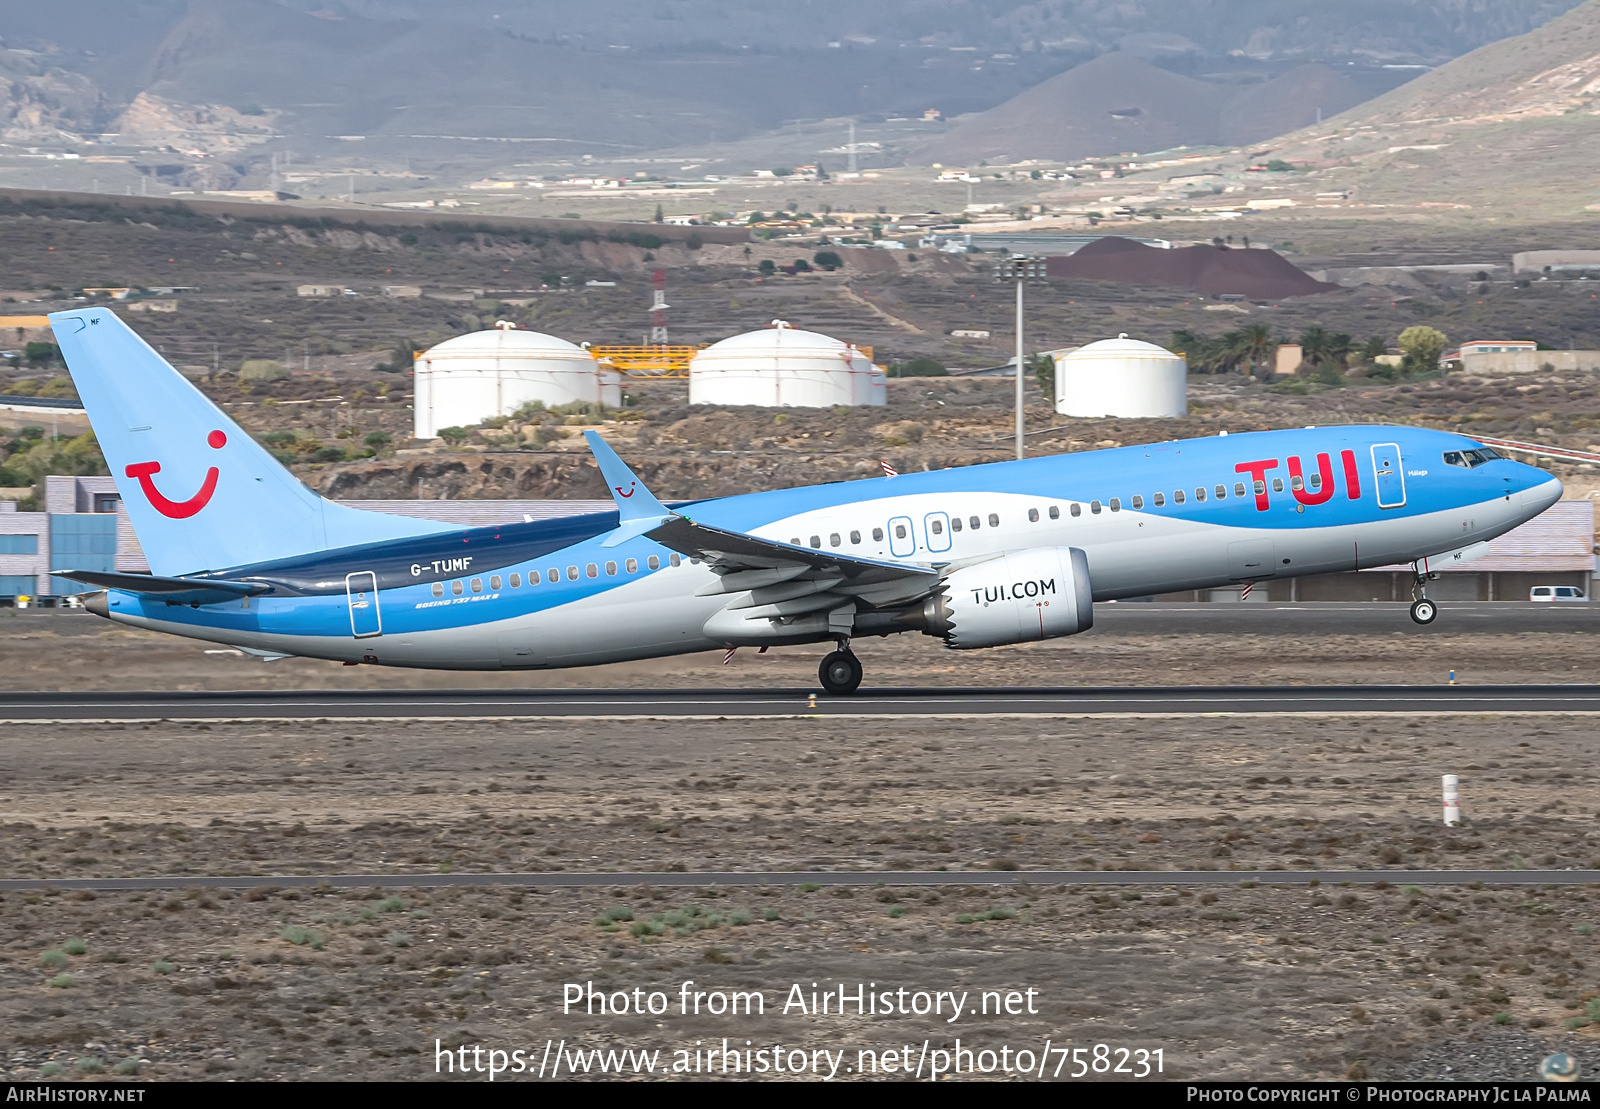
x=1251, y=560
x=362, y=589
x=902, y=537
x=937, y=525
x=1388, y=475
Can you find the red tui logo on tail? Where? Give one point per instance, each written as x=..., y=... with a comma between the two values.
x=178, y=510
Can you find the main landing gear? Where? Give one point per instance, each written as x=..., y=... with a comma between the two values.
x=1423, y=610
x=840, y=672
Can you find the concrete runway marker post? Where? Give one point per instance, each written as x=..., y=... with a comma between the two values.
x=1452, y=800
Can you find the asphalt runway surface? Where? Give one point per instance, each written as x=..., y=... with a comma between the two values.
x=576, y=879
x=1223, y=618
x=730, y=703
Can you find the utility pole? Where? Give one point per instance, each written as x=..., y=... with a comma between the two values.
x=1020, y=268
x=852, y=146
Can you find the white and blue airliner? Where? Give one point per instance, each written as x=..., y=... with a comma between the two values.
x=242, y=553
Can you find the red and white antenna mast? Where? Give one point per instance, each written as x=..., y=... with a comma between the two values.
x=658, y=309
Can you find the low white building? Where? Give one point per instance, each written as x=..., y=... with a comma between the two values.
x=1121, y=377
x=784, y=367
x=471, y=378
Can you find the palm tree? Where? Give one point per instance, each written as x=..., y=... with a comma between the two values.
x=1258, y=340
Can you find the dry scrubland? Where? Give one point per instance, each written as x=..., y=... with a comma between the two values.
x=1260, y=981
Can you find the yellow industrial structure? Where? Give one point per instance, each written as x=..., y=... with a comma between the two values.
x=648, y=361
x=659, y=361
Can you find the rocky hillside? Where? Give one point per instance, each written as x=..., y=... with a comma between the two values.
x=1510, y=128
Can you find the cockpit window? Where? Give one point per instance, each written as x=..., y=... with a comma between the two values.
x=1468, y=459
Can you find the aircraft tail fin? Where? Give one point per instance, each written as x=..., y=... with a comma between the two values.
x=201, y=493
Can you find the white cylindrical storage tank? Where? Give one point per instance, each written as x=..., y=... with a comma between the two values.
x=784, y=367
x=473, y=377
x=1122, y=377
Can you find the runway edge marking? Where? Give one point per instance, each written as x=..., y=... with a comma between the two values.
x=723, y=716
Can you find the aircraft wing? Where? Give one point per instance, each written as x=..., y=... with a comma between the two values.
x=778, y=592
x=733, y=551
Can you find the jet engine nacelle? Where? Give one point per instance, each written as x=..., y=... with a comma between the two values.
x=1016, y=598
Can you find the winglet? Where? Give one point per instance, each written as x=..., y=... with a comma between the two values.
x=638, y=511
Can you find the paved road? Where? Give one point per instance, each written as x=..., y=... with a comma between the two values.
x=836, y=878
x=1350, y=618
x=715, y=703
x=1149, y=618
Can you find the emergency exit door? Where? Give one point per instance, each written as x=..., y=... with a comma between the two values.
x=362, y=589
x=1387, y=475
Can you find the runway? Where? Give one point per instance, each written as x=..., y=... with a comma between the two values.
x=788, y=703
x=579, y=879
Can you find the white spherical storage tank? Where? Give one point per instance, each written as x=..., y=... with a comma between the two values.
x=784, y=367
x=473, y=377
x=1121, y=377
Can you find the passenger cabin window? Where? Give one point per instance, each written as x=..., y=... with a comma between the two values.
x=834, y=540
x=632, y=565
x=1055, y=512
x=795, y=542
x=973, y=523
x=654, y=563
x=1296, y=483
x=816, y=541
x=1177, y=496
x=495, y=582
x=1200, y=494
x=1222, y=492
x=455, y=588
x=855, y=537
x=1238, y=489
x=611, y=569
x=552, y=576
x=1094, y=507
x=994, y=519
x=935, y=526
x=955, y=523
x=1277, y=485
x=516, y=580
x=1316, y=481
x=877, y=535
x=1138, y=502
x=477, y=585
x=1116, y=504
x=1076, y=509
x=1160, y=499
x=438, y=589
x=572, y=573
x=1261, y=487
x=1033, y=515
x=899, y=531
x=675, y=558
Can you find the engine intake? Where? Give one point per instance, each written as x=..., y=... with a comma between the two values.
x=1016, y=598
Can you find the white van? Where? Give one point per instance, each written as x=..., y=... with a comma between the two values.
x=1556, y=593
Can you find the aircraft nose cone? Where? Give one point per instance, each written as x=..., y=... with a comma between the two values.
x=1537, y=498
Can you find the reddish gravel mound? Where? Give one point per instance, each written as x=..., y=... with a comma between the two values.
x=1209, y=270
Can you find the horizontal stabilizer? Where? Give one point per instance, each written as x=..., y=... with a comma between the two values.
x=178, y=591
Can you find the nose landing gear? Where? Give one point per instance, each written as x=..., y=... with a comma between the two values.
x=1423, y=610
x=840, y=672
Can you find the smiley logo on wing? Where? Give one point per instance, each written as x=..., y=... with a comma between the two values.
x=178, y=510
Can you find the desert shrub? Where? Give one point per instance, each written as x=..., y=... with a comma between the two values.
x=256, y=370
x=54, y=959
x=75, y=947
